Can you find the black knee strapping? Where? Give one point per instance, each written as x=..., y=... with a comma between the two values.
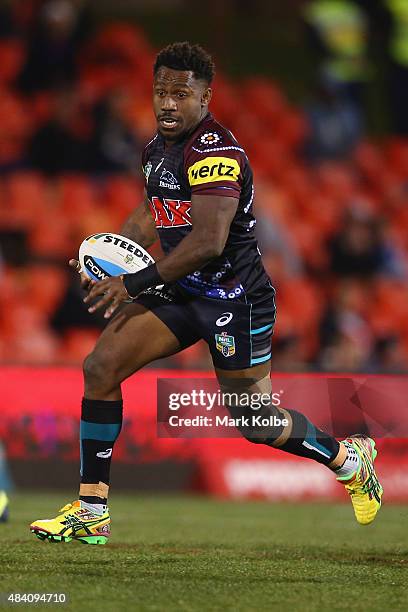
x=258, y=426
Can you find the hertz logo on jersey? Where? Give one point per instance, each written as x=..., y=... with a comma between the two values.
x=212, y=169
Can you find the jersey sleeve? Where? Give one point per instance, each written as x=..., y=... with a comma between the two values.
x=214, y=170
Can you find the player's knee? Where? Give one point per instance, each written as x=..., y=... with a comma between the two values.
x=254, y=439
x=98, y=370
x=260, y=426
x=250, y=404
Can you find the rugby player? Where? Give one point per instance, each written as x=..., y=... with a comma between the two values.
x=198, y=200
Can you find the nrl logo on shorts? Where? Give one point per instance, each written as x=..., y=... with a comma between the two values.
x=225, y=344
x=147, y=170
x=210, y=138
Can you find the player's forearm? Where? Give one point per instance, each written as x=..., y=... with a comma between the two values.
x=192, y=253
x=139, y=226
x=132, y=230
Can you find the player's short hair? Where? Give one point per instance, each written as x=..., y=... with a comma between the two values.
x=185, y=56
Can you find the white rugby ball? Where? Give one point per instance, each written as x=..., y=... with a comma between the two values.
x=105, y=255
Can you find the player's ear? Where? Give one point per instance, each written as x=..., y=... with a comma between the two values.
x=206, y=96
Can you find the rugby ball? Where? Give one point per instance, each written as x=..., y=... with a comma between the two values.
x=105, y=255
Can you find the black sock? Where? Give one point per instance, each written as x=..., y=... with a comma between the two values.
x=101, y=422
x=306, y=440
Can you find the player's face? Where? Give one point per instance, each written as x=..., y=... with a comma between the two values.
x=180, y=101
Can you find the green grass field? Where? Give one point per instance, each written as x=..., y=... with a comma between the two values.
x=184, y=553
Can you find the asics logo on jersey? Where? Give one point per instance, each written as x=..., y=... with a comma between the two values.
x=105, y=454
x=224, y=319
x=212, y=169
x=170, y=213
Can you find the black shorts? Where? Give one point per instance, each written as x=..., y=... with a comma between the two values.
x=238, y=333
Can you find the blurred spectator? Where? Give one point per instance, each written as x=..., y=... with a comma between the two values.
x=115, y=147
x=344, y=354
x=357, y=249
x=335, y=124
x=346, y=339
x=287, y=354
x=63, y=144
x=71, y=311
x=398, y=64
x=338, y=33
x=7, y=26
x=17, y=17
x=51, y=56
x=389, y=356
x=277, y=247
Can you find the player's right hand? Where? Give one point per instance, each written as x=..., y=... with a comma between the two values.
x=86, y=282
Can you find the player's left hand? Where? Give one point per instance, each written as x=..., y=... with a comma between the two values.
x=114, y=293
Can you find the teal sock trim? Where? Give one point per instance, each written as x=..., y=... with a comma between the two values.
x=310, y=440
x=106, y=432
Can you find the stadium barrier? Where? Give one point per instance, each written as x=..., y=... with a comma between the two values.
x=40, y=410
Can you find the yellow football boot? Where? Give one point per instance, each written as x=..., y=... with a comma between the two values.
x=3, y=507
x=75, y=523
x=364, y=488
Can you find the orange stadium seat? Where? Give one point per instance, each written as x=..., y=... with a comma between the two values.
x=122, y=195
x=226, y=103
x=12, y=54
x=336, y=180
x=296, y=180
x=45, y=286
x=369, y=159
x=263, y=96
x=388, y=310
x=303, y=299
x=127, y=39
x=76, y=195
x=291, y=129
x=15, y=126
x=24, y=198
x=28, y=337
x=11, y=290
x=76, y=345
x=51, y=245
x=139, y=114
x=397, y=155
x=118, y=54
